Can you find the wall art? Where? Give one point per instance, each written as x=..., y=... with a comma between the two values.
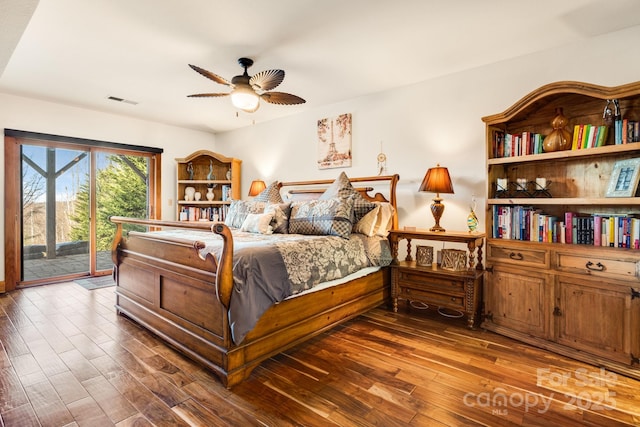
x=334, y=142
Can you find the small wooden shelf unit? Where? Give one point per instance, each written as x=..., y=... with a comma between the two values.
x=225, y=173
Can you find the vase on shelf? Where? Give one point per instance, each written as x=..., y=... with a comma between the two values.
x=560, y=138
x=197, y=196
x=209, y=194
x=189, y=193
x=472, y=219
x=210, y=175
x=190, y=170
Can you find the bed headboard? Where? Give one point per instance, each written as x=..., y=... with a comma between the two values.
x=307, y=190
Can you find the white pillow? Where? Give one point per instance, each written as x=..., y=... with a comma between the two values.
x=367, y=225
x=257, y=223
x=385, y=219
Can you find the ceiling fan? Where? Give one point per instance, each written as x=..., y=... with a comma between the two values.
x=248, y=90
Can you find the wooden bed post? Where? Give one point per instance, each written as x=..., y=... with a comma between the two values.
x=224, y=277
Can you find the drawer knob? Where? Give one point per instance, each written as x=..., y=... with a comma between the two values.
x=517, y=256
x=598, y=267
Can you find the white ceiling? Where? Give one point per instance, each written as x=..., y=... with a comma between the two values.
x=80, y=52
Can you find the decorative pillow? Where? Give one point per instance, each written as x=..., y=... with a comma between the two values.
x=342, y=187
x=258, y=223
x=330, y=217
x=239, y=209
x=281, y=212
x=271, y=194
x=367, y=225
x=384, y=221
x=361, y=207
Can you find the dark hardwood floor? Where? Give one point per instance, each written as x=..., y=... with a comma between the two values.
x=68, y=359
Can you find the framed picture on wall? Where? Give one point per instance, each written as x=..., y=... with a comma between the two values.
x=334, y=142
x=624, y=178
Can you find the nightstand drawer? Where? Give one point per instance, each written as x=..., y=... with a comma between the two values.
x=517, y=255
x=434, y=298
x=425, y=280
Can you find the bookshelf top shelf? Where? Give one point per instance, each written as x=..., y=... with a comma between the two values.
x=203, y=181
x=577, y=201
x=203, y=202
x=567, y=154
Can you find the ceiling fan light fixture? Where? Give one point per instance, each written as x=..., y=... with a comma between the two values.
x=246, y=90
x=244, y=98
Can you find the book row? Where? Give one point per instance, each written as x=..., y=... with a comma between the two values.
x=530, y=224
x=584, y=136
x=512, y=145
x=589, y=136
x=193, y=213
x=626, y=131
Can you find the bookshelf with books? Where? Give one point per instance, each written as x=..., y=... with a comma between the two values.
x=206, y=184
x=563, y=255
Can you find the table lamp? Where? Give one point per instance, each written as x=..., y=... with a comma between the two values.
x=256, y=187
x=437, y=180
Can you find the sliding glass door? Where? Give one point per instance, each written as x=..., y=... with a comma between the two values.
x=68, y=196
x=64, y=197
x=52, y=179
x=122, y=188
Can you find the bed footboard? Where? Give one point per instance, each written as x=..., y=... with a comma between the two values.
x=167, y=287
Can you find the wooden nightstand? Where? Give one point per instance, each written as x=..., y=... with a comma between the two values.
x=454, y=290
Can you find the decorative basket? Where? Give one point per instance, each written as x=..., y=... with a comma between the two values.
x=424, y=255
x=454, y=259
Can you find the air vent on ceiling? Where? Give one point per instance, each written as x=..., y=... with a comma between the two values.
x=126, y=101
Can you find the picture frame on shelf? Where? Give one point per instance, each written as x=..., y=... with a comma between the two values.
x=226, y=193
x=624, y=178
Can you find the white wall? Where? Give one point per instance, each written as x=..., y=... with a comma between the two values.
x=46, y=117
x=436, y=121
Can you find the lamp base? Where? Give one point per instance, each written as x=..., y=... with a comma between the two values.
x=437, y=208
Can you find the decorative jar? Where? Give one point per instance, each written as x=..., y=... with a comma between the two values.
x=560, y=138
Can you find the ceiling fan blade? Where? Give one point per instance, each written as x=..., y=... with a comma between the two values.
x=207, y=95
x=208, y=74
x=282, y=98
x=266, y=80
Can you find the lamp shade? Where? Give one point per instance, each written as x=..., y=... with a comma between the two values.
x=437, y=180
x=257, y=186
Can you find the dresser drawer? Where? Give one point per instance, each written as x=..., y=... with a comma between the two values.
x=451, y=301
x=518, y=255
x=417, y=279
x=598, y=265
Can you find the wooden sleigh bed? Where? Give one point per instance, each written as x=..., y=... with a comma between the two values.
x=165, y=285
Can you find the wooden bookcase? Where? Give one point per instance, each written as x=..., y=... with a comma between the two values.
x=580, y=300
x=209, y=170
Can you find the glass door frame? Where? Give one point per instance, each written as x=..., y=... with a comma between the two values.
x=13, y=192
